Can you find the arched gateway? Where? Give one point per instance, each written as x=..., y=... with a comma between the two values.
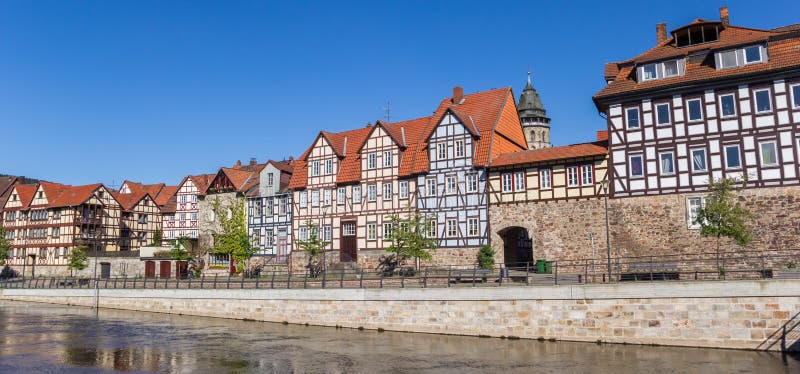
x=517, y=246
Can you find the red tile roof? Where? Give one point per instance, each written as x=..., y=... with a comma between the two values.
x=783, y=51
x=75, y=195
x=551, y=154
x=25, y=193
x=128, y=201
x=6, y=185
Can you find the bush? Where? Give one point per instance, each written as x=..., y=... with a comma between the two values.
x=8, y=272
x=486, y=257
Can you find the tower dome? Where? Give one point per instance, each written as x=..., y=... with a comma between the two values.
x=533, y=117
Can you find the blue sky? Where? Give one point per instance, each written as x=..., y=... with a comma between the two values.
x=102, y=91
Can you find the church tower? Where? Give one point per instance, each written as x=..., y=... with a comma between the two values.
x=534, y=119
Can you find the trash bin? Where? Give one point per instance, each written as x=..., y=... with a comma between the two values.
x=540, y=266
x=548, y=267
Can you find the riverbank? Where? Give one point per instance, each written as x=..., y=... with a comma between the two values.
x=725, y=314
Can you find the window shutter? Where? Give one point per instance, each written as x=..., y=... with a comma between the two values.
x=681, y=67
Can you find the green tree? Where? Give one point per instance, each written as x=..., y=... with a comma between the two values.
x=178, y=250
x=722, y=215
x=5, y=246
x=233, y=240
x=77, y=259
x=410, y=239
x=486, y=257
x=156, y=238
x=314, y=247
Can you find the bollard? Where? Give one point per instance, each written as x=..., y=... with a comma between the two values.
x=324, y=277
x=289, y=279
x=361, y=279
x=257, y=278
x=341, y=279
x=449, y=270
x=305, y=280
x=241, y=285
x=228, y=282
x=425, y=279
x=215, y=281
x=272, y=283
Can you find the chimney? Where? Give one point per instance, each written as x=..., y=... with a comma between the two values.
x=253, y=161
x=723, y=16
x=661, y=32
x=602, y=135
x=458, y=95
x=238, y=164
x=291, y=159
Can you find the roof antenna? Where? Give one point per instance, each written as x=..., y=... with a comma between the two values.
x=387, y=108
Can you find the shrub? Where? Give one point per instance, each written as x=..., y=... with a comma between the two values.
x=486, y=257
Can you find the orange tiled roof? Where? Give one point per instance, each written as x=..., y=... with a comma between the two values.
x=783, y=51
x=598, y=148
x=25, y=193
x=166, y=193
x=129, y=200
x=75, y=195
x=201, y=181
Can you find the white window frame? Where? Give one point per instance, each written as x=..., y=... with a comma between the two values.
x=720, y=59
x=430, y=187
x=387, y=231
x=587, y=176
x=441, y=151
x=326, y=233
x=519, y=181
x=459, y=150
x=356, y=194
x=761, y=153
x=372, y=192
x=690, y=218
x=738, y=153
x=661, y=165
x=705, y=159
x=630, y=165
x=658, y=116
x=473, y=227
x=387, y=191
x=689, y=109
x=270, y=182
x=677, y=68
x=472, y=182
x=315, y=168
x=755, y=100
x=303, y=197
x=431, y=228
x=760, y=55
x=372, y=231
x=326, y=197
x=387, y=159
x=638, y=118
x=795, y=96
x=372, y=160
x=644, y=77
x=451, y=185
x=341, y=195
x=403, y=189
x=451, y=228
x=573, y=176
x=722, y=111
x=545, y=179
x=315, y=198
x=506, y=182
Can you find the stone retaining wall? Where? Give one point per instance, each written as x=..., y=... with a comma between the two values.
x=738, y=314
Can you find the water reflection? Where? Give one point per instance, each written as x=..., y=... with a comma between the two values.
x=43, y=338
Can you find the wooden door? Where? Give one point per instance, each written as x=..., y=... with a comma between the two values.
x=181, y=269
x=150, y=269
x=348, y=243
x=281, y=243
x=164, y=269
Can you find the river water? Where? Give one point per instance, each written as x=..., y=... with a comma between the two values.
x=40, y=338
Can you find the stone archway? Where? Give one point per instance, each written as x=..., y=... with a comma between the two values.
x=503, y=229
x=517, y=247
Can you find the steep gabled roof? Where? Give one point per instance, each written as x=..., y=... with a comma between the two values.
x=25, y=193
x=128, y=201
x=166, y=193
x=200, y=181
x=75, y=195
x=6, y=185
x=52, y=190
x=566, y=152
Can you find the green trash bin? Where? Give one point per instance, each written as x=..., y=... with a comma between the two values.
x=540, y=266
x=548, y=267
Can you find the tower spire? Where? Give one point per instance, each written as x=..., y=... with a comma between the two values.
x=533, y=117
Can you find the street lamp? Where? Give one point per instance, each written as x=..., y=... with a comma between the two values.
x=604, y=183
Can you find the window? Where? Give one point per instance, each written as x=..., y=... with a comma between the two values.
x=769, y=154
x=727, y=105
x=194, y=198
x=572, y=176
x=372, y=160
x=667, y=163
x=452, y=228
x=371, y=231
x=763, y=103
x=660, y=70
x=727, y=59
x=142, y=218
x=472, y=182
x=387, y=231
x=303, y=199
x=341, y=195
x=430, y=228
x=326, y=197
x=349, y=229
x=387, y=158
x=182, y=198
x=356, y=194
x=268, y=239
x=442, y=149
x=315, y=168
x=519, y=181
x=450, y=185
x=671, y=69
x=372, y=192
x=55, y=232
x=662, y=114
x=403, y=189
x=693, y=206
x=302, y=232
x=459, y=148
x=632, y=118
x=545, y=179
x=695, y=108
x=732, y=159
x=326, y=233
x=315, y=198
x=430, y=187
x=587, y=175
x=387, y=191
x=472, y=227
x=637, y=166
x=699, y=160
x=270, y=181
x=194, y=216
x=329, y=166
x=752, y=54
x=649, y=72
x=506, y=181
x=284, y=205
x=796, y=96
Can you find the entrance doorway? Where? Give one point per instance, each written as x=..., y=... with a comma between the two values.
x=517, y=247
x=164, y=269
x=348, y=243
x=150, y=269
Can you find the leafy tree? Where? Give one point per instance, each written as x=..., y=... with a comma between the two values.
x=77, y=259
x=5, y=246
x=234, y=240
x=409, y=239
x=486, y=257
x=178, y=249
x=723, y=215
x=156, y=238
x=315, y=247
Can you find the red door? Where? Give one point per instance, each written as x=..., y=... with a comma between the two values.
x=348, y=244
x=150, y=269
x=181, y=269
x=164, y=269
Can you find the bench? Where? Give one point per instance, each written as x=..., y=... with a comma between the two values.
x=71, y=282
x=645, y=271
x=471, y=275
x=787, y=274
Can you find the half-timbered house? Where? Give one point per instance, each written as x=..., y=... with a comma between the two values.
x=140, y=220
x=269, y=218
x=185, y=221
x=709, y=100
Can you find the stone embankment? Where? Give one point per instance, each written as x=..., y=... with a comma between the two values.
x=732, y=314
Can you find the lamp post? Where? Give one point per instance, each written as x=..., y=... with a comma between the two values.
x=321, y=234
x=608, y=237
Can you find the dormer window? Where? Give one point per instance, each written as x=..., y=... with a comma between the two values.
x=733, y=58
x=699, y=34
x=661, y=70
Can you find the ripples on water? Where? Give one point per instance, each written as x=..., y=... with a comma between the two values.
x=39, y=338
